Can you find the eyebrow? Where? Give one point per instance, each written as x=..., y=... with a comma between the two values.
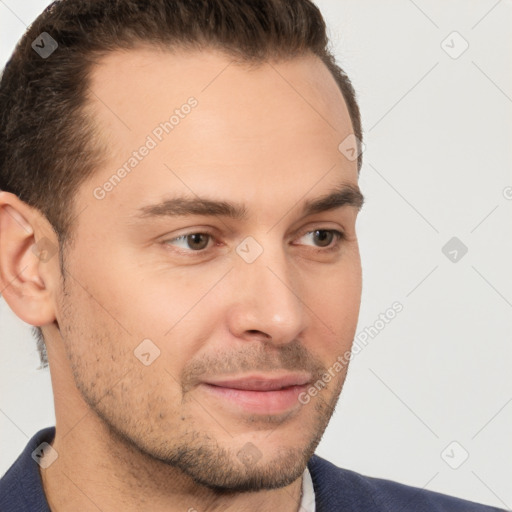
x=342, y=195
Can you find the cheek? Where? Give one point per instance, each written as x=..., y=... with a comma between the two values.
x=160, y=304
x=334, y=299
x=146, y=298
x=97, y=348
x=105, y=367
x=175, y=308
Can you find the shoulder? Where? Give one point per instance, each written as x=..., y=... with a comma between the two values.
x=21, y=488
x=338, y=487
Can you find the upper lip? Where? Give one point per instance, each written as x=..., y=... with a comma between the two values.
x=262, y=382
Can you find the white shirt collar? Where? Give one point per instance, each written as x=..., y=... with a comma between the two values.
x=307, y=503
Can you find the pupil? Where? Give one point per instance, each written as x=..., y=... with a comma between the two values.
x=327, y=234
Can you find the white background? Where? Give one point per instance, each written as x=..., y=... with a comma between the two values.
x=438, y=132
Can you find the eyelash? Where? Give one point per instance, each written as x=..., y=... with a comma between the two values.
x=339, y=237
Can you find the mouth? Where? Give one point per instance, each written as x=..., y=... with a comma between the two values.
x=259, y=394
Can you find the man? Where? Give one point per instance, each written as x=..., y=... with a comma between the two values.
x=177, y=218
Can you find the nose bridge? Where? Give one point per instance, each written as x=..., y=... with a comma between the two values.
x=268, y=296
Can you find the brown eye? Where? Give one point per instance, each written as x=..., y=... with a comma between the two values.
x=198, y=241
x=323, y=237
x=192, y=242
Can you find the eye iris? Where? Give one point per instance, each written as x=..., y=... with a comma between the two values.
x=196, y=238
x=326, y=234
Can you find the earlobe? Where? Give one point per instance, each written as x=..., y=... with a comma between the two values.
x=27, y=255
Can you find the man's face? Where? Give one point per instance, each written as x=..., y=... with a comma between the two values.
x=151, y=319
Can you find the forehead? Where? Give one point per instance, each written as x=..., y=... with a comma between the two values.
x=151, y=77
x=275, y=125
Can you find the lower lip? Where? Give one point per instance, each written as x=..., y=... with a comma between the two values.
x=259, y=402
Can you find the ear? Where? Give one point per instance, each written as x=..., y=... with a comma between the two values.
x=29, y=269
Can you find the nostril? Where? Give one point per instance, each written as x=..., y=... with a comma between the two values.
x=259, y=333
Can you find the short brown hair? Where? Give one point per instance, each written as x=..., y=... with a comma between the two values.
x=48, y=144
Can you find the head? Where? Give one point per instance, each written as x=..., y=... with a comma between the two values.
x=176, y=211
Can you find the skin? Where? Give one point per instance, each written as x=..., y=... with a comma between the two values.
x=136, y=437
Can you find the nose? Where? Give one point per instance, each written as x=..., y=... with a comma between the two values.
x=267, y=302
